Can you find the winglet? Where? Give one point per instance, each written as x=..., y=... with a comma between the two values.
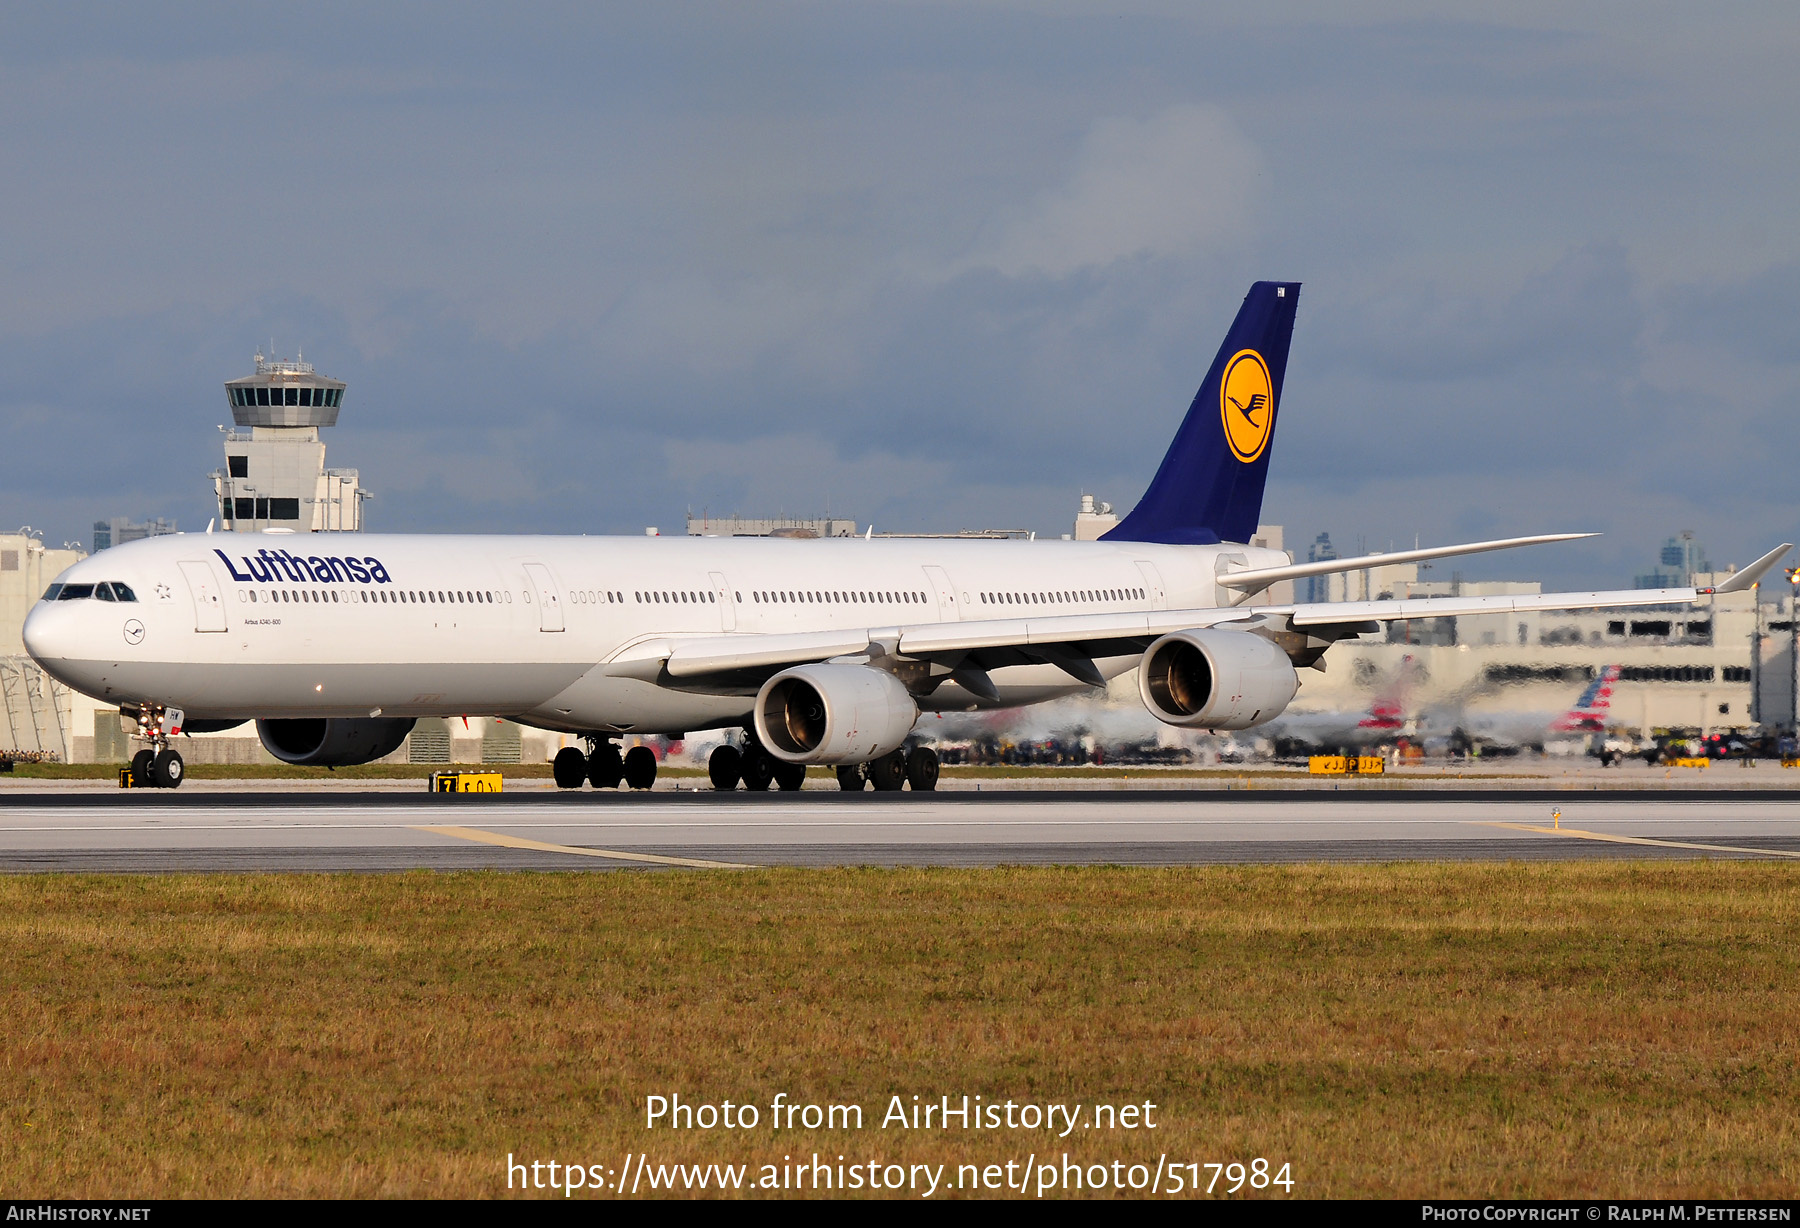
x=1742, y=580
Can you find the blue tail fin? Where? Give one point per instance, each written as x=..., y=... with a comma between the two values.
x=1210, y=486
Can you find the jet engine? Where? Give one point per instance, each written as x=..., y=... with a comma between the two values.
x=833, y=714
x=335, y=741
x=1207, y=679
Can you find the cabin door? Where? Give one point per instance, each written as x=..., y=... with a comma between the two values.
x=945, y=594
x=727, y=609
x=1153, y=585
x=203, y=586
x=548, y=598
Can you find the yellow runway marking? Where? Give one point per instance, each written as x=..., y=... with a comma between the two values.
x=1667, y=844
x=542, y=846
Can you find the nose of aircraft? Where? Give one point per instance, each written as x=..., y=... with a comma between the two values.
x=48, y=633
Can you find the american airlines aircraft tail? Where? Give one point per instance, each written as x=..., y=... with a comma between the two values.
x=824, y=652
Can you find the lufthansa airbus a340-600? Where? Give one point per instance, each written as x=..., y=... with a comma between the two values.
x=824, y=651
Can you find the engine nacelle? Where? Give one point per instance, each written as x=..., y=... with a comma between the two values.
x=834, y=714
x=334, y=741
x=1207, y=679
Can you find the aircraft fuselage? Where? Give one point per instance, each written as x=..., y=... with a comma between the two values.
x=241, y=626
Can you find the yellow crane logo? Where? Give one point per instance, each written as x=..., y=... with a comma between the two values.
x=1247, y=404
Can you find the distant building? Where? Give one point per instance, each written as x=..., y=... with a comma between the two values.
x=1269, y=536
x=1093, y=519
x=768, y=526
x=1318, y=588
x=37, y=713
x=122, y=529
x=275, y=475
x=1681, y=559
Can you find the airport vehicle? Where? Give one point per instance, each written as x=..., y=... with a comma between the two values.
x=825, y=651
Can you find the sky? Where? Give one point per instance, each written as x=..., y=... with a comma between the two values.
x=931, y=266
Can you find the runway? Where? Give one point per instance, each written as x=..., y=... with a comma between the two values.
x=384, y=832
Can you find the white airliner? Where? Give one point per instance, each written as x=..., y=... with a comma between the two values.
x=825, y=651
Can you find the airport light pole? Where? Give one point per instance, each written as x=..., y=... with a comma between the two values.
x=1793, y=575
x=1757, y=707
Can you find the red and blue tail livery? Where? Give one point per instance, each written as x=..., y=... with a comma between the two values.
x=1593, y=709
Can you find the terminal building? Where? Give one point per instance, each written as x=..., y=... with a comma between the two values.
x=37, y=713
x=275, y=475
x=768, y=526
x=122, y=529
x=1726, y=664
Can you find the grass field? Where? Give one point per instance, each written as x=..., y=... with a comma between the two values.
x=1579, y=1029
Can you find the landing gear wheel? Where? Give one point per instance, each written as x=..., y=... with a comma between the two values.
x=640, y=767
x=758, y=769
x=922, y=769
x=604, y=769
x=140, y=769
x=851, y=779
x=167, y=770
x=725, y=768
x=888, y=773
x=790, y=776
x=569, y=768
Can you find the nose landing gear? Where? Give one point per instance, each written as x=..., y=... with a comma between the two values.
x=157, y=766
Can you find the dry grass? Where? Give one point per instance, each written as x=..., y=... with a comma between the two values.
x=1617, y=1029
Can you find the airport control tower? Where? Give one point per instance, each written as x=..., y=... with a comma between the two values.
x=275, y=475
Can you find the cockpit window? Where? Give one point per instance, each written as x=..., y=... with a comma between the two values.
x=76, y=592
x=123, y=591
x=51, y=592
x=103, y=591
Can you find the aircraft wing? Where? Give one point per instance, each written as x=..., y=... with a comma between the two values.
x=1070, y=641
x=1329, y=612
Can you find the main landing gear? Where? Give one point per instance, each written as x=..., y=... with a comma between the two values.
x=756, y=768
x=603, y=767
x=917, y=767
x=753, y=766
x=157, y=766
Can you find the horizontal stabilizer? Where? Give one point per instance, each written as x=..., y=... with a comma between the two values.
x=1261, y=577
